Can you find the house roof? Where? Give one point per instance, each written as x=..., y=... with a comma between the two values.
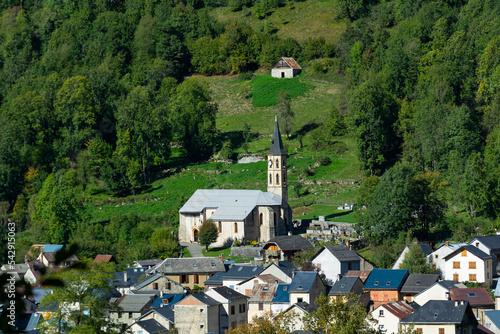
x=483, y=330
x=399, y=309
x=231, y=204
x=52, y=256
x=363, y=275
x=276, y=142
x=202, y=297
x=341, y=252
x=418, y=282
x=290, y=243
x=135, y=303
x=104, y=258
x=290, y=61
x=346, y=285
x=494, y=316
x=282, y=294
x=452, y=246
x=216, y=279
x=165, y=312
x=385, y=279
x=190, y=265
x=151, y=326
x=491, y=242
x=302, y=281
x=306, y=307
x=26, y=322
x=263, y=292
x=475, y=296
x=445, y=284
x=147, y=263
x=441, y=312
x=51, y=248
x=229, y=293
x=497, y=290
x=474, y=250
x=241, y=272
x=425, y=248
x=167, y=300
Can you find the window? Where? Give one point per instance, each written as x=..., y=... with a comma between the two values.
x=119, y=315
x=441, y=331
x=277, y=179
x=155, y=286
x=381, y=328
x=419, y=330
x=220, y=227
x=455, y=277
x=472, y=277
x=300, y=300
x=235, y=227
x=201, y=326
x=196, y=279
x=201, y=310
x=130, y=315
x=169, y=286
x=233, y=309
x=140, y=332
x=261, y=306
x=436, y=256
x=318, y=266
x=487, y=264
x=233, y=324
x=270, y=178
x=277, y=163
x=464, y=253
x=261, y=218
x=456, y=264
x=184, y=279
x=242, y=308
x=381, y=313
x=472, y=265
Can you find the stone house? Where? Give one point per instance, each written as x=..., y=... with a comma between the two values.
x=245, y=215
x=197, y=314
x=471, y=264
x=159, y=282
x=131, y=308
x=286, y=67
x=233, y=307
x=189, y=272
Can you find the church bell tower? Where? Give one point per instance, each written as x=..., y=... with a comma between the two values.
x=277, y=182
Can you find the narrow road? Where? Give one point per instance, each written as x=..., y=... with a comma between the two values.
x=194, y=249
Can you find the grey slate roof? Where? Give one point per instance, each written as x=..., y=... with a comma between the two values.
x=290, y=242
x=202, y=297
x=474, y=250
x=276, y=143
x=304, y=306
x=216, y=279
x=231, y=204
x=229, y=293
x=165, y=312
x=135, y=303
x=341, y=252
x=345, y=285
x=151, y=326
x=441, y=312
x=190, y=265
x=425, y=248
x=492, y=241
x=302, y=281
x=416, y=283
x=494, y=317
x=241, y=272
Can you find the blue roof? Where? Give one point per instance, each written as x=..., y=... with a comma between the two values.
x=168, y=300
x=497, y=290
x=52, y=248
x=281, y=295
x=494, y=317
x=302, y=281
x=386, y=279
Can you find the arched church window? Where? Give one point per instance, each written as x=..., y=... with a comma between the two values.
x=235, y=227
x=270, y=178
x=277, y=179
x=261, y=218
x=277, y=163
x=220, y=227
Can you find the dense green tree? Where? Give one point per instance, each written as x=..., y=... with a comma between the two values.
x=415, y=261
x=208, y=233
x=164, y=243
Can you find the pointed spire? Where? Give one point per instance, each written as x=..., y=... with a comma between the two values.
x=276, y=143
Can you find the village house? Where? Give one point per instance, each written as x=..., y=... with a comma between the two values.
x=159, y=282
x=492, y=321
x=281, y=299
x=306, y=286
x=131, y=307
x=261, y=298
x=233, y=307
x=478, y=298
x=384, y=285
x=284, y=248
x=416, y=283
x=233, y=277
x=243, y=214
x=163, y=315
x=286, y=67
x=297, y=312
x=125, y=280
x=491, y=246
x=469, y=264
x=437, y=291
x=389, y=316
x=189, y=272
x=425, y=249
x=197, y=314
x=436, y=258
x=334, y=261
x=150, y=326
x=147, y=264
x=442, y=317
x=247, y=285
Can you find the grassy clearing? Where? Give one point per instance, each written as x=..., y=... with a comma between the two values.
x=266, y=88
x=298, y=20
x=216, y=252
x=185, y=252
x=329, y=211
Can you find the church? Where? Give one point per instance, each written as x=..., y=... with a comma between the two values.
x=244, y=215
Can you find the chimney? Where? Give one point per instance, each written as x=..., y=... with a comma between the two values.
x=456, y=303
x=461, y=302
x=125, y=276
x=221, y=256
x=289, y=232
x=447, y=243
x=348, y=244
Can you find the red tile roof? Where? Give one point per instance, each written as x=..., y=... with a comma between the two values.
x=363, y=275
x=475, y=296
x=399, y=309
x=103, y=258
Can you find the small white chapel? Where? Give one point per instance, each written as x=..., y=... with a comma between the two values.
x=243, y=215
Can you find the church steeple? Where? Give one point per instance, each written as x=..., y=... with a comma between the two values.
x=277, y=165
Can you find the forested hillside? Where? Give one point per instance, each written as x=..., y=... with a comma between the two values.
x=95, y=92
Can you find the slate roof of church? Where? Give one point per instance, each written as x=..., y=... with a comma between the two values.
x=276, y=142
x=231, y=204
